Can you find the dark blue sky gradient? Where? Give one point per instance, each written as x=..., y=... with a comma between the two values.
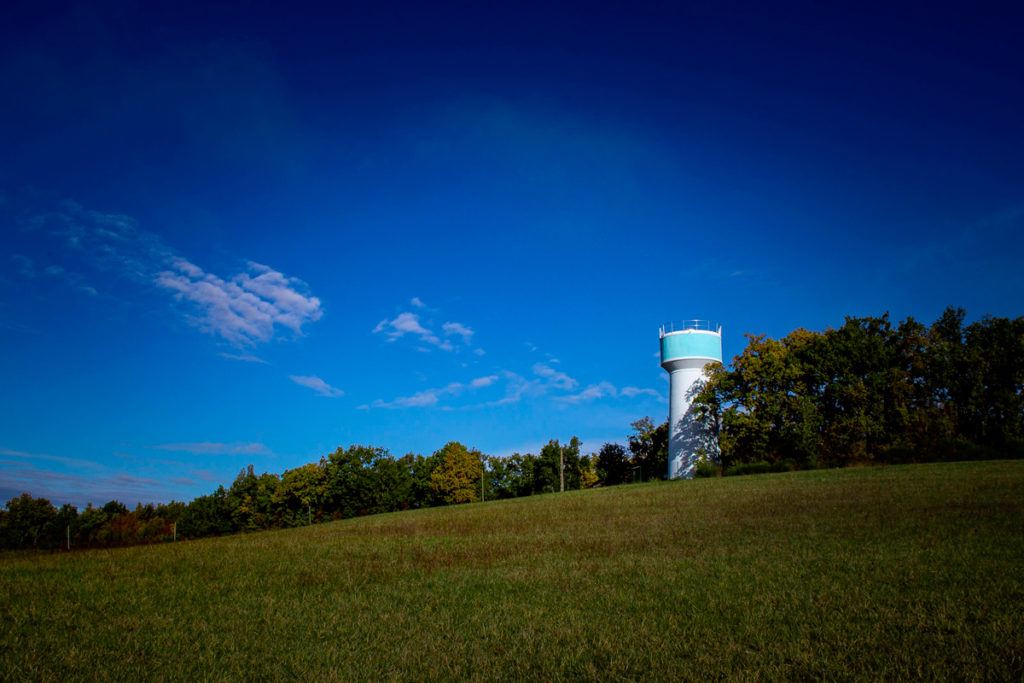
x=551, y=182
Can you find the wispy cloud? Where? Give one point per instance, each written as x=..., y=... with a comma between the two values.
x=606, y=389
x=420, y=399
x=243, y=357
x=452, y=329
x=167, y=463
x=554, y=378
x=407, y=323
x=593, y=391
x=79, y=489
x=243, y=309
x=317, y=385
x=632, y=392
x=547, y=380
x=554, y=384
x=23, y=265
x=415, y=325
x=210, y=448
x=431, y=397
x=206, y=475
x=26, y=267
x=71, y=462
x=75, y=280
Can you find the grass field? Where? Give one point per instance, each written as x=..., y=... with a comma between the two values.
x=912, y=572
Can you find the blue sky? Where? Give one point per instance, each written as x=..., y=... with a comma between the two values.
x=241, y=234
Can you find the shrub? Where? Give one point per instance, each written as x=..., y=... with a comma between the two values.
x=749, y=468
x=706, y=469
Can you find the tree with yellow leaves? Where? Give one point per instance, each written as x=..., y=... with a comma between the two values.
x=456, y=479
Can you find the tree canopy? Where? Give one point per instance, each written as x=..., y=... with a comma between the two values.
x=872, y=392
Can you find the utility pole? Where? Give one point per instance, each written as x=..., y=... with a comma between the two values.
x=561, y=468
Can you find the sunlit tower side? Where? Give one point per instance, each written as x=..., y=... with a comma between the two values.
x=686, y=347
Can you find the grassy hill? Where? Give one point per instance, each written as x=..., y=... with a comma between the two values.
x=888, y=572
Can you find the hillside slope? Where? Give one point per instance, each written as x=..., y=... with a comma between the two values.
x=906, y=572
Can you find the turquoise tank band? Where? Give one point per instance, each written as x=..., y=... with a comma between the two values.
x=694, y=344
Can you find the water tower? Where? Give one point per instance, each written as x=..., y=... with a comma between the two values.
x=686, y=347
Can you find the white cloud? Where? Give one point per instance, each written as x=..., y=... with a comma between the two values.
x=595, y=391
x=243, y=357
x=451, y=329
x=245, y=309
x=317, y=385
x=403, y=324
x=415, y=301
x=606, y=389
x=412, y=324
x=516, y=386
x=431, y=397
x=420, y=399
x=632, y=392
x=554, y=378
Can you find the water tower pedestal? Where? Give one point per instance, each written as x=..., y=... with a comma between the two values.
x=686, y=348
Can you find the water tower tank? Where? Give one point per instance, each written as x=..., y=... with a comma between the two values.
x=686, y=347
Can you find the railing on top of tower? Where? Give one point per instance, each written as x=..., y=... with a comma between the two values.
x=683, y=325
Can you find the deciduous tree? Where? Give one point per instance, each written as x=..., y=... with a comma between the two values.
x=457, y=475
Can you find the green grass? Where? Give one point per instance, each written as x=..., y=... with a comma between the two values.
x=889, y=572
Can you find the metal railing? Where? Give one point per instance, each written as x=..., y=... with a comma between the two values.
x=681, y=325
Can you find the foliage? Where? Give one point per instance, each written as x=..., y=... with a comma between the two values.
x=457, y=475
x=559, y=463
x=870, y=392
x=648, y=448
x=207, y=516
x=741, y=468
x=612, y=464
x=705, y=469
x=349, y=480
x=35, y=523
x=28, y=522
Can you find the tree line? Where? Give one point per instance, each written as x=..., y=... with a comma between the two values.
x=359, y=480
x=867, y=392
x=871, y=392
